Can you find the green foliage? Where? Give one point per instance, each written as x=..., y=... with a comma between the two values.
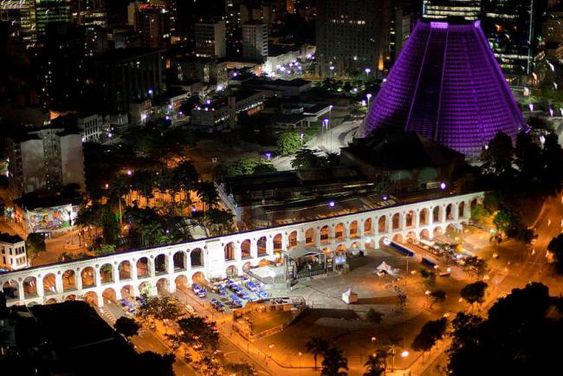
x=306, y=159
x=431, y=332
x=376, y=364
x=35, y=244
x=243, y=167
x=474, y=292
x=289, y=142
x=126, y=326
x=317, y=346
x=239, y=369
x=105, y=249
x=163, y=308
x=199, y=333
x=334, y=363
x=478, y=212
x=373, y=316
x=497, y=157
x=438, y=296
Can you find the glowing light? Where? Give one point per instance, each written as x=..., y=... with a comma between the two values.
x=331, y=204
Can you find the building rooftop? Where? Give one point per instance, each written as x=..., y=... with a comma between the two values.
x=7, y=238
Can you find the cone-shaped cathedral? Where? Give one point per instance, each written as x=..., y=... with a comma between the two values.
x=447, y=86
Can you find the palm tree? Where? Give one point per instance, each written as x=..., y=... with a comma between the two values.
x=207, y=193
x=376, y=364
x=333, y=362
x=316, y=346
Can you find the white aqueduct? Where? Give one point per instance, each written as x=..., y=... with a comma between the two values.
x=165, y=268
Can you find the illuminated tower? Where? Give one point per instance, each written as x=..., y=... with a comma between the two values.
x=447, y=86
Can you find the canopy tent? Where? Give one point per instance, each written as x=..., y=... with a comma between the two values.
x=385, y=267
x=349, y=297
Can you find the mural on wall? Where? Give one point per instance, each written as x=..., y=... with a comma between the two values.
x=50, y=219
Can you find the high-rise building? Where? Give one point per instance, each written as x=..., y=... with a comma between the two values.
x=45, y=159
x=255, y=41
x=436, y=9
x=153, y=23
x=447, y=86
x=401, y=22
x=210, y=39
x=552, y=27
x=352, y=37
x=21, y=18
x=49, y=11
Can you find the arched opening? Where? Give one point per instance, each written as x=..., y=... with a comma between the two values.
x=383, y=242
x=396, y=221
x=246, y=267
x=145, y=288
x=409, y=220
x=339, y=232
x=310, y=236
x=231, y=271
x=91, y=298
x=461, y=210
x=143, y=268
x=70, y=298
x=162, y=286
x=473, y=204
x=49, y=284
x=109, y=296
x=278, y=243
x=423, y=217
x=398, y=238
x=262, y=247
x=452, y=230
x=449, y=212
x=356, y=246
x=30, y=287
x=11, y=289
x=88, y=277
x=436, y=214
x=437, y=231
x=325, y=235
x=124, y=269
x=354, y=233
x=292, y=239
x=127, y=292
x=368, y=226
x=51, y=301
x=179, y=260
x=341, y=249
x=160, y=264
x=196, y=257
x=382, y=224
x=245, y=249
x=181, y=282
x=106, y=273
x=264, y=262
x=197, y=277
x=425, y=234
x=412, y=237
x=69, y=280
x=229, y=250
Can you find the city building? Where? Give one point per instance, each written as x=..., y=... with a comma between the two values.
x=210, y=39
x=128, y=75
x=45, y=159
x=352, y=38
x=20, y=16
x=153, y=23
x=93, y=128
x=552, y=27
x=49, y=11
x=401, y=23
x=13, y=254
x=446, y=86
x=208, y=70
x=436, y=9
x=255, y=41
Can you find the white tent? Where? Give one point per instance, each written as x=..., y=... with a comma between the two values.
x=385, y=267
x=349, y=297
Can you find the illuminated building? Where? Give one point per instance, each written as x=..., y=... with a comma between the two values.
x=210, y=39
x=468, y=9
x=49, y=11
x=447, y=86
x=21, y=16
x=255, y=41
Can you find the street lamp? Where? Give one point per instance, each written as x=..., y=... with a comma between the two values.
x=368, y=96
x=368, y=71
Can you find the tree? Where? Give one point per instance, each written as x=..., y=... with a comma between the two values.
x=376, y=364
x=431, y=332
x=196, y=331
x=334, y=363
x=437, y=296
x=373, y=316
x=151, y=363
x=474, y=292
x=289, y=142
x=35, y=244
x=208, y=194
x=306, y=159
x=497, y=157
x=478, y=212
x=317, y=346
x=239, y=369
x=555, y=246
x=160, y=308
x=126, y=326
x=104, y=250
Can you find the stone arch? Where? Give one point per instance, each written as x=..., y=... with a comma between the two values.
x=382, y=224
x=51, y=301
x=423, y=217
x=11, y=289
x=87, y=275
x=292, y=239
x=461, y=210
x=437, y=231
x=412, y=236
x=49, y=284
x=109, y=295
x=196, y=257
x=91, y=297
x=449, y=212
x=245, y=248
x=356, y=246
x=180, y=261
x=70, y=298
x=181, y=282
x=382, y=242
x=246, y=267
x=261, y=245
x=354, y=230
x=409, y=219
x=198, y=277
x=162, y=286
x=474, y=203
x=145, y=288
x=124, y=270
x=339, y=232
x=143, y=267
x=451, y=229
x=231, y=271
x=229, y=251
x=325, y=234
x=310, y=236
x=278, y=243
x=398, y=238
x=396, y=221
x=30, y=287
x=106, y=273
x=69, y=280
x=368, y=226
x=341, y=248
x=425, y=234
x=160, y=264
x=436, y=212
x=127, y=291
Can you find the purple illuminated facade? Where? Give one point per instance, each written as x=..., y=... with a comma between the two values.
x=447, y=86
